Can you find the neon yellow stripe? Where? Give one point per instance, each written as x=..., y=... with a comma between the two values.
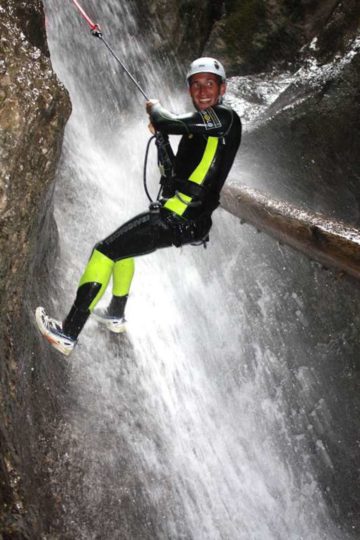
x=98, y=270
x=202, y=169
x=197, y=176
x=123, y=273
x=175, y=205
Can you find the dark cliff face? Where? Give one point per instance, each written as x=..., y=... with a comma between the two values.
x=249, y=36
x=254, y=35
x=33, y=110
x=181, y=28
x=304, y=149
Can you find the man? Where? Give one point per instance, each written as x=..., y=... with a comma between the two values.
x=210, y=139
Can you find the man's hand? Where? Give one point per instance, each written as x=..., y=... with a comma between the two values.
x=149, y=105
x=151, y=128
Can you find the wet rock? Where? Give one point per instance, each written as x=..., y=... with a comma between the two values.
x=331, y=242
x=33, y=110
x=304, y=147
x=255, y=35
x=250, y=36
x=182, y=27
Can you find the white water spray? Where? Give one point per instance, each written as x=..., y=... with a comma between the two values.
x=174, y=431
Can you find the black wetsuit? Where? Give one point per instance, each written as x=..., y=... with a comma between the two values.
x=210, y=140
x=204, y=158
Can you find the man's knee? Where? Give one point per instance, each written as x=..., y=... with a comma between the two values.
x=104, y=248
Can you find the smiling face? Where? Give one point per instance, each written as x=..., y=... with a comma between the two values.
x=205, y=90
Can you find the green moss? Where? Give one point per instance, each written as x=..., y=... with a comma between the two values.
x=246, y=25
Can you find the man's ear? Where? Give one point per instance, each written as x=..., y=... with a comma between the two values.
x=222, y=89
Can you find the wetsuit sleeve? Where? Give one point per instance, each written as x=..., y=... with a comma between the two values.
x=215, y=121
x=165, y=152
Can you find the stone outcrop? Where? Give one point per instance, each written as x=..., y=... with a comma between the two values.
x=331, y=242
x=255, y=35
x=33, y=110
x=304, y=148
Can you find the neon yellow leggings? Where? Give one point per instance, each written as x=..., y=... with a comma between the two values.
x=100, y=269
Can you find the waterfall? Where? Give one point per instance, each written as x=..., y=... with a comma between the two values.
x=198, y=423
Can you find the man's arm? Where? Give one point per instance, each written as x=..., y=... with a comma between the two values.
x=215, y=121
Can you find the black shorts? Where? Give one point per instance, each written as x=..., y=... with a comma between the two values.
x=150, y=231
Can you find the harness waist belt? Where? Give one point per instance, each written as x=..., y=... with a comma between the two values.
x=189, y=188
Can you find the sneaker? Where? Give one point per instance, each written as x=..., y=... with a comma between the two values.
x=112, y=323
x=51, y=329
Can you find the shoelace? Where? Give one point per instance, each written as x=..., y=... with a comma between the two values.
x=53, y=324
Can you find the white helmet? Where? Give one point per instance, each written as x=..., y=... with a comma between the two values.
x=206, y=65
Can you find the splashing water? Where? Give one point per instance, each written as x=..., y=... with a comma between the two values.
x=180, y=428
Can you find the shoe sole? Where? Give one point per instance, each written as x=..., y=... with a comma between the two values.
x=115, y=327
x=53, y=341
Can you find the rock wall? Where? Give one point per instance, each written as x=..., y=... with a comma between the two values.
x=249, y=36
x=34, y=108
x=257, y=35
x=304, y=148
x=182, y=27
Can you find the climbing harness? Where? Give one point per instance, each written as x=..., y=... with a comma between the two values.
x=167, y=176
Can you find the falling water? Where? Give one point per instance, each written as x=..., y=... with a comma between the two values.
x=197, y=423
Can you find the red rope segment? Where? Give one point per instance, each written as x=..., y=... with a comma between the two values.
x=92, y=25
